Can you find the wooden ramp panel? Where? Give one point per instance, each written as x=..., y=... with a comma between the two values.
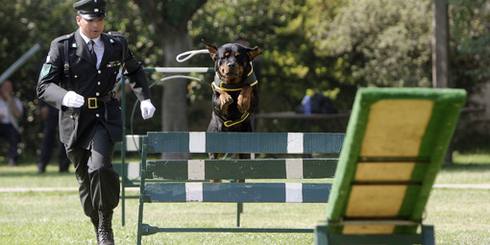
x=395, y=143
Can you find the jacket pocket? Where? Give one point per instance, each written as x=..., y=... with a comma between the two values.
x=113, y=112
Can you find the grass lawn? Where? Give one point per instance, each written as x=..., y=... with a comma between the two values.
x=459, y=216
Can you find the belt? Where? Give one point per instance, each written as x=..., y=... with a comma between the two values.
x=96, y=102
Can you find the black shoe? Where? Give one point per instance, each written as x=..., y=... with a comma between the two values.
x=106, y=236
x=95, y=222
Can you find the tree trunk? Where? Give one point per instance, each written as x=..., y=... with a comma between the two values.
x=440, y=44
x=169, y=21
x=440, y=54
x=174, y=95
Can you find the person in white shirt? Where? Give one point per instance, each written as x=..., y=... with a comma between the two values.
x=11, y=111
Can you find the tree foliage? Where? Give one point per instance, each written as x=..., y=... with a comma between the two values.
x=327, y=45
x=25, y=23
x=289, y=63
x=385, y=42
x=469, y=43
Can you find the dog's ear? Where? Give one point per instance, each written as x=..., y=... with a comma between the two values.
x=254, y=52
x=213, y=50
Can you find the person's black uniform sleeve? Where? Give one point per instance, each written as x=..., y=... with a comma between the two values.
x=48, y=88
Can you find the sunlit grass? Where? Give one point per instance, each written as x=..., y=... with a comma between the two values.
x=459, y=216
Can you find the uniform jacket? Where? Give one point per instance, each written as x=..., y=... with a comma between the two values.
x=77, y=125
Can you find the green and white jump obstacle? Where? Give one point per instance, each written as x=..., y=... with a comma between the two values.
x=188, y=180
x=394, y=146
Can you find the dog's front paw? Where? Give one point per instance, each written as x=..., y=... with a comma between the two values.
x=244, y=99
x=225, y=100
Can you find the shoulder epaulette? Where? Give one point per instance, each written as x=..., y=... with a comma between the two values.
x=63, y=38
x=116, y=34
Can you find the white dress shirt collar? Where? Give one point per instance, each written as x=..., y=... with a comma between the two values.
x=97, y=40
x=98, y=47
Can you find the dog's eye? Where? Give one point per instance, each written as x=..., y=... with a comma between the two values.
x=237, y=54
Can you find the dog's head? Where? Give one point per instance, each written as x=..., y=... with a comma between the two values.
x=232, y=61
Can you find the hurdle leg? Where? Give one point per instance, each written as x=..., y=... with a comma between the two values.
x=321, y=236
x=238, y=215
x=428, y=235
x=142, y=193
x=123, y=194
x=239, y=206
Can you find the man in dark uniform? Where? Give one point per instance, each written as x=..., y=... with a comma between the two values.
x=78, y=79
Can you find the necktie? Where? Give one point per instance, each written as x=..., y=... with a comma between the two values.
x=91, y=49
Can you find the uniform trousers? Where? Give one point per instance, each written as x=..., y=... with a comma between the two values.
x=98, y=182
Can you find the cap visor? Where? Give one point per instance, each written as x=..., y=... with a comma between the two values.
x=92, y=16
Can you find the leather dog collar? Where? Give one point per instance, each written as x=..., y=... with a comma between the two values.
x=250, y=80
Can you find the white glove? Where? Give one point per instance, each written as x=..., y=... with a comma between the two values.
x=72, y=99
x=147, y=109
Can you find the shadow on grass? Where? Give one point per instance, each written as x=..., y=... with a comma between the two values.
x=29, y=171
x=467, y=168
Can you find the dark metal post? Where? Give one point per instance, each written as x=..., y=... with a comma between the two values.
x=428, y=235
x=123, y=150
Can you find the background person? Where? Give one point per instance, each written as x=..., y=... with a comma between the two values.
x=11, y=111
x=49, y=116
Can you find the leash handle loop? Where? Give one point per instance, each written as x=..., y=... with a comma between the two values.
x=187, y=55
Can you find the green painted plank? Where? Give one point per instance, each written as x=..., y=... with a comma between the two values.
x=247, y=142
x=251, y=142
x=244, y=169
x=447, y=104
x=150, y=230
x=236, y=192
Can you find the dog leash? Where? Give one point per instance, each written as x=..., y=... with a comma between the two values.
x=187, y=55
x=230, y=123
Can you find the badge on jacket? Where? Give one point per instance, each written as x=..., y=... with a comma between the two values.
x=45, y=70
x=115, y=63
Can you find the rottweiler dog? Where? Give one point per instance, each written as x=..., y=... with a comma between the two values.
x=235, y=95
x=234, y=87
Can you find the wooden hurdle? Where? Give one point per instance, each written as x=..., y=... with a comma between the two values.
x=191, y=177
